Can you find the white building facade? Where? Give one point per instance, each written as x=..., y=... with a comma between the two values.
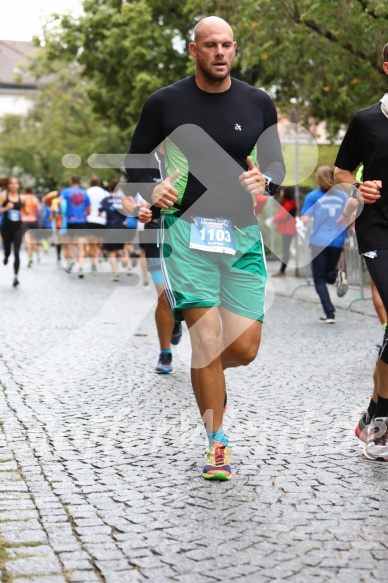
x=17, y=88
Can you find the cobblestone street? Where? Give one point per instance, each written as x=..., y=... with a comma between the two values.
x=101, y=458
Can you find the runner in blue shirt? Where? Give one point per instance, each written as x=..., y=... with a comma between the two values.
x=324, y=206
x=75, y=207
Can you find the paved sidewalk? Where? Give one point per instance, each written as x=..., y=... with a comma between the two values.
x=297, y=288
x=100, y=458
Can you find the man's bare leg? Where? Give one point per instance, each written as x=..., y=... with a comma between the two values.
x=81, y=244
x=382, y=375
x=241, y=339
x=382, y=315
x=29, y=247
x=207, y=375
x=219, y=339
x=378, y=303
x=215, y=348
x=143, y=266
x=113, y=261
x=164, y=319
x=92, y=251
x=367, y=416
x=68, y=249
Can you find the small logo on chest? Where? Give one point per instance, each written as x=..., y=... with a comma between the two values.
x=237, y=127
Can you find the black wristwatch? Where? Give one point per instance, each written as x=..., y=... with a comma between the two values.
x=269, y=186
x=135, y=212
x=353, y=192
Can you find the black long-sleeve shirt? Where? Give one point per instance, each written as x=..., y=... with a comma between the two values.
x=207, y=136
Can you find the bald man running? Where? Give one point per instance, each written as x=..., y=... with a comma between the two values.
x=211, y=249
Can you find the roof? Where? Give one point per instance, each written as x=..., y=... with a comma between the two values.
x=13, y=54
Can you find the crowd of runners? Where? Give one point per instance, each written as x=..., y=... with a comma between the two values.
x=82, y=224
x=200, y=239
x=87, y=228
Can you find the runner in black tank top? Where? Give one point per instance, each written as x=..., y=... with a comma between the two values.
x=11, y=229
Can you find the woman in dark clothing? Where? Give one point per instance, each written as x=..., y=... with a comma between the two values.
x=11, y=230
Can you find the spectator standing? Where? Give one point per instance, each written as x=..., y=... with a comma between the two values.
x=284, y=220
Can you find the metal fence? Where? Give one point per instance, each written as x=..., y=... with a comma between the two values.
x=351, y=261
x=300, y=259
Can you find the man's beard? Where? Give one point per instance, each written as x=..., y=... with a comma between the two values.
x=211, y=76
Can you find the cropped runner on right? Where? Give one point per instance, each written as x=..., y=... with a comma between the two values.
x=366, y=142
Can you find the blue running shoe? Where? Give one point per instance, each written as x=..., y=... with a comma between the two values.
x=378, y=345
x=164, y=365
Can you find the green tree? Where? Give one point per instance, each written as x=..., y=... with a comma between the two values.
x=324, y=57
x=60, y=122
x=125, y=50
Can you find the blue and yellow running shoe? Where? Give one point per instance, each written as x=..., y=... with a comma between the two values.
x=217, y=463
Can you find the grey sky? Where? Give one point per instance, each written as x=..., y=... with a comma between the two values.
x=23, y=18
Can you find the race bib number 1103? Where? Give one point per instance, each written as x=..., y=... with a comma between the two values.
x=213, y=235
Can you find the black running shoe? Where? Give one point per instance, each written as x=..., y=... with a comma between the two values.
x=15, y=283
x=176, y=333
x=164, y=365
x=5, y=260
x=330, y=319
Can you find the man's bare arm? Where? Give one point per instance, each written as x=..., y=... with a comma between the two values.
x=369, y=191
